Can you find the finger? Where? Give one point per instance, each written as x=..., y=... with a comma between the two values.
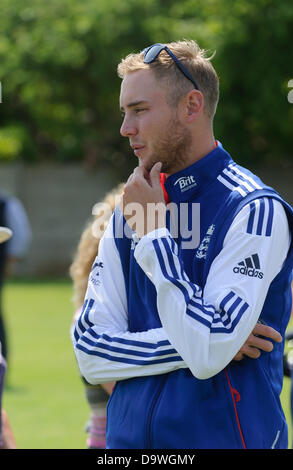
x=250, y=351
x=141, y=174
x=155, y=173
x=261, y=343
x=268, y=332
x=139, y=171
x=129, y=179
x=136, y=181
x=239, y=356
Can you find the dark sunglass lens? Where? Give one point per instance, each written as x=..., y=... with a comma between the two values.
x=152, y=52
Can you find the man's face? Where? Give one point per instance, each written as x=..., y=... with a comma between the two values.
x=154, y=130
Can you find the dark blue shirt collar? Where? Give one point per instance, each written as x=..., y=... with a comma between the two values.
x=189, y=183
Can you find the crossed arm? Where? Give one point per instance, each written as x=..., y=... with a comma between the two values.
x=201, y=330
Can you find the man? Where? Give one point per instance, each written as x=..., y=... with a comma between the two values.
x=12, y=216
x=170, y=304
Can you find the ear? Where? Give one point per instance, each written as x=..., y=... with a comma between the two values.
x=194, y=102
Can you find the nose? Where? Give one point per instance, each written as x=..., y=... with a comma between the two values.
x=128, y=128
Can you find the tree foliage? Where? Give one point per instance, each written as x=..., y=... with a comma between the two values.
x=60, y=89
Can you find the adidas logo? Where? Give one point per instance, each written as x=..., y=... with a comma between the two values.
x=249, y=267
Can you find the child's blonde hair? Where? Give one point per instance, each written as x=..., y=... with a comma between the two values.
x=87, y=250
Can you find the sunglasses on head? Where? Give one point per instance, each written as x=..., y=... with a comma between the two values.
x=152, y=52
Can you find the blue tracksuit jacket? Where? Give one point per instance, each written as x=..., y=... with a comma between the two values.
x=165, y=315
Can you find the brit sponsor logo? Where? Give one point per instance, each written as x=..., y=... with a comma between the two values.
x=249, y=267
x=185, y=183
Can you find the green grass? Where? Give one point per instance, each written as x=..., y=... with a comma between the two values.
x=44, y=396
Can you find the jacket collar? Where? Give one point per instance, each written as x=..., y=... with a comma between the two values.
x=190, y=182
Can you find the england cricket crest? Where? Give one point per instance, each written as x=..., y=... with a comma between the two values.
x=202, y=250
x=95, y=272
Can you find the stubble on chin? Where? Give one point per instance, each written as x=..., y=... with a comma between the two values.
x=173, y=148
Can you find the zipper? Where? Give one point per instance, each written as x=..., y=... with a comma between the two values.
x=276, y=439
x=235, y=398
x=151, y=412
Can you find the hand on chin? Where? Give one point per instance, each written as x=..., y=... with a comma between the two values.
x=142, y=193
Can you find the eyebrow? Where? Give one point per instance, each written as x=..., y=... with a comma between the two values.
x=133, y=104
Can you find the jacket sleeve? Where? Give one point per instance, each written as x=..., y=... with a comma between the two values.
x=208, y=328
x=105, y=350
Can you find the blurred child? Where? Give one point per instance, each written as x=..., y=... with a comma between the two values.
x=97, y=396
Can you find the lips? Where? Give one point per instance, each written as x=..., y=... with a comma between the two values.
x=137, y=148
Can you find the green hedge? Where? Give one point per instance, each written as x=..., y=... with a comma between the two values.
x=60, y=90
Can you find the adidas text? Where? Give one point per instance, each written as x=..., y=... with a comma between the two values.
x=251, y=272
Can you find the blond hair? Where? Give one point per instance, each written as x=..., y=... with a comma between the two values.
x=87, y=250
x=194, y=59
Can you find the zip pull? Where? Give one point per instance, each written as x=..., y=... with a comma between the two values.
x=236, y=394
x=236, y=398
